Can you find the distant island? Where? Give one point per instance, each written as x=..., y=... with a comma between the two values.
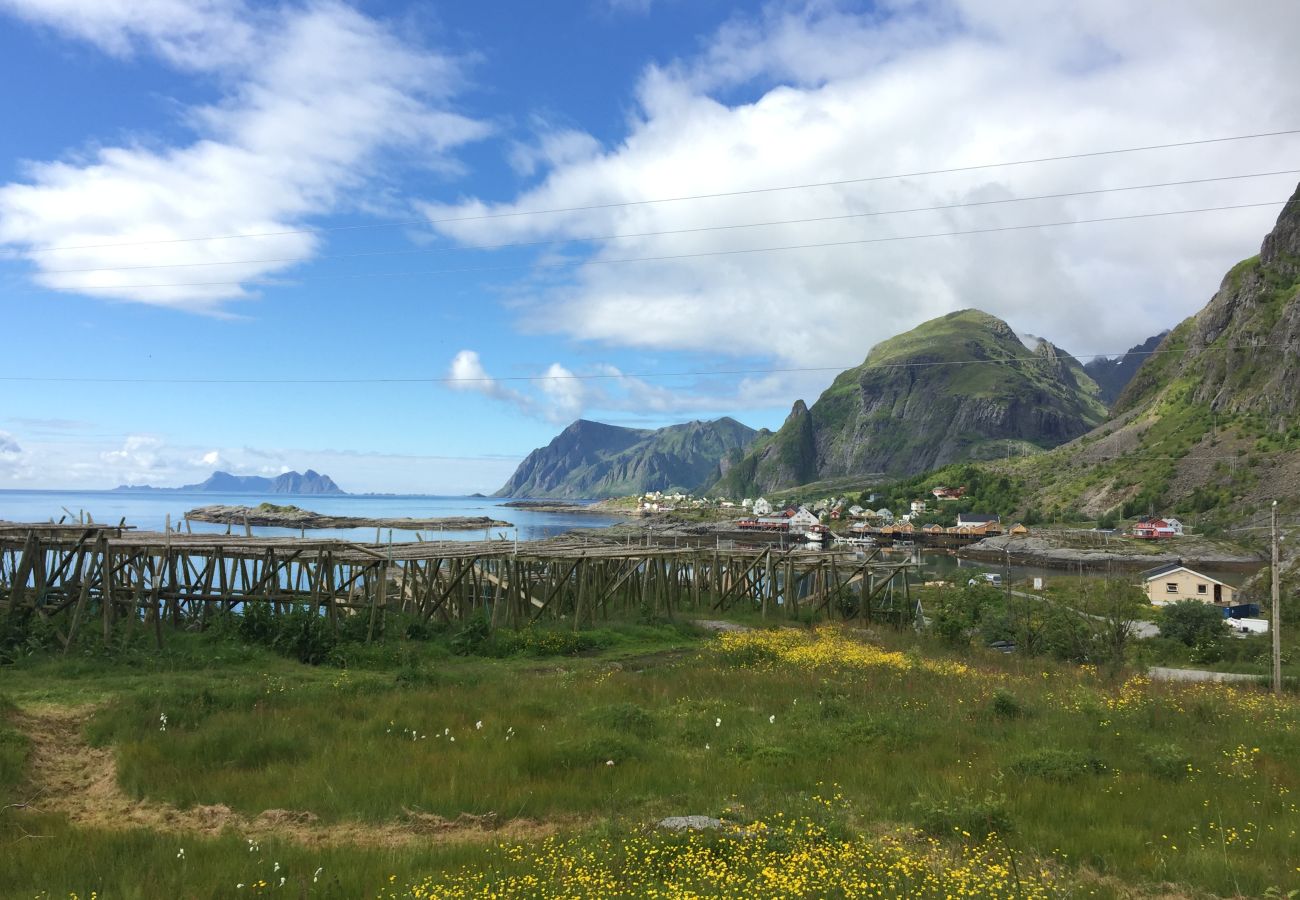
x=273, y=516
x=309, y=482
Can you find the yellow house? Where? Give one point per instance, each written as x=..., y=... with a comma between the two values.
x=1018, y=528
x=1174, y=582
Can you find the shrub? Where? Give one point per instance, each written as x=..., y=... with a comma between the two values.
x=1054, y=764
x=964, y=815
x=1191, y=622
x=1168, y=761
x=1005, y=705
x=626, y=718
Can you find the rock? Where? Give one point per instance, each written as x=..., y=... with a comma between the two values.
x=689, y=823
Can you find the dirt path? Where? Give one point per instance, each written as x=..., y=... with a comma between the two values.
x=71, y=777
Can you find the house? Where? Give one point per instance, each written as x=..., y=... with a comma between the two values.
x=885, y=515
x=947, y=493
x=918, y=507
x=856, y=511
x=762, y=507
x=802, y=520
x=1174, y=582
x=933, y=529
x=748, y=503
x=1175, y=525
x=1018, y=528
x=1156, y=529
x=977, y=519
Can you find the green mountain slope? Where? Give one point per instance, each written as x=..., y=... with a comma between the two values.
x=592, y=460
x=959, y=387
x=1207, y=427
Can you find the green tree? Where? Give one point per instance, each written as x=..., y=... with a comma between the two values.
x=1191, y=622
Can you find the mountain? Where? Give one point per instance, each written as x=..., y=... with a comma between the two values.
x=959, y=387
x=592, y=460
x=1113, y=375
x=1206, y=429
x=309, y=482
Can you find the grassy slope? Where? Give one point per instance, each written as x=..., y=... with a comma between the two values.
x=1153, y=777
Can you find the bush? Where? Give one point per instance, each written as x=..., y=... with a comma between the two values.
x=1191, y=622
x=964, y=815
x=1168, y=761
x=1053, y=764
x=1006, y=706
x=626, y=718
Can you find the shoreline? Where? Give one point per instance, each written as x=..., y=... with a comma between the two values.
x=293, y=517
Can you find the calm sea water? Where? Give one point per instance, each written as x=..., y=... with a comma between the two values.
x=149, y=511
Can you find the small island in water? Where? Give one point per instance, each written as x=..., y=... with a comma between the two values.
x=272, y=515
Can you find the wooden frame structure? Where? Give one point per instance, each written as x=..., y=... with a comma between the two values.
x=71, y=575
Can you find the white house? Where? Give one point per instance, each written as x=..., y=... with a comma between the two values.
x=802, y=520
x=856, y=511
x=762, y=507
x=977, y=519
x=748, y=503
x=1174, y=525
x=918, y=507
x=885, y=515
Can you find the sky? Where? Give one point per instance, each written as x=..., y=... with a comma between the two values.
x=404, y=243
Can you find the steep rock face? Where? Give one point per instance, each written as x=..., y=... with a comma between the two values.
x=1240, y=355
x=1113, y=375
x=309, y=482
x=592, y=460
x=959, y=387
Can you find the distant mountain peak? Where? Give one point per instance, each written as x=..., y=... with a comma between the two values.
x=590, y=460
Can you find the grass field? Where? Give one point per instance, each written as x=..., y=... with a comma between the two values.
x=844, y=764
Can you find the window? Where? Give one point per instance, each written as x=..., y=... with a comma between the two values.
x=1171, y=587
x=1202, y=589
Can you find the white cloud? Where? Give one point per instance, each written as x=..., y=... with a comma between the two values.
x=560, y=394
x=819, y=95
x=8, y=445
x=317, y=95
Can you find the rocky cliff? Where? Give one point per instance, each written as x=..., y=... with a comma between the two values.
x=592, y=460
x=962, y=386
x=1113, y=375
x=1206, y=429
x=309, y=482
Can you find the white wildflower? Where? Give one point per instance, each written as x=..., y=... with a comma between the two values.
x=478, y=726
x=609, y=762
x=771, y=720
x=717, y=723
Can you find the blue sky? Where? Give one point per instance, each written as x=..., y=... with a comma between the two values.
x=345, y=136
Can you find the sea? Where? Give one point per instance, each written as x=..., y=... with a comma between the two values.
x=149, y=511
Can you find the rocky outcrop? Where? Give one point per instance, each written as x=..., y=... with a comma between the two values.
x=592, y=460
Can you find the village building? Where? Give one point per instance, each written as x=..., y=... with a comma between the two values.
x=762, y=507
x=1157, y=529
x=856, y=511
x=885, y=515
x=917, y=507
x=947, y=493
x=977, y=519
x=1174, y=582
x=1018, y=528
x=801, y=520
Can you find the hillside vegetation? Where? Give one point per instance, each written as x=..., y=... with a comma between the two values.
x=959, y=387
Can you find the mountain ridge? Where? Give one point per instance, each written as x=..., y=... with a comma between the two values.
x=310, y=482
x=594, y=460
x=921, y=400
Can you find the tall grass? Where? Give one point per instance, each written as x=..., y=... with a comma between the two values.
x=1194, y=785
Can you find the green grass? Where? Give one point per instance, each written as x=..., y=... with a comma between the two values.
x=1098, y=777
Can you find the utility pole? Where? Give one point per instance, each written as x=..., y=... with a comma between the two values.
x=1277, y=610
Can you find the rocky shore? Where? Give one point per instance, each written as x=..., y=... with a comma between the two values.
x=270, y=515
x=1058, y=551
x=600, y=507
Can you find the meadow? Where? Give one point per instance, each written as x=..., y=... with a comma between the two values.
x=842, y=763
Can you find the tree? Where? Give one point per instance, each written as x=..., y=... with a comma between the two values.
x=1191, y=622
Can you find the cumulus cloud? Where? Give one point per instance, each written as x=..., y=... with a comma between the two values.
x=8, y=445
x=560, y=394
x=816, y=94
x=315, y=97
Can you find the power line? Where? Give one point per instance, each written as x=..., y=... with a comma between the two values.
x=672, y=231
x=689, y=197
x=72, y=379
x=698, y=255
